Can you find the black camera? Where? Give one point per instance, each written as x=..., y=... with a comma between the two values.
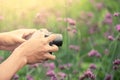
x=58, y=41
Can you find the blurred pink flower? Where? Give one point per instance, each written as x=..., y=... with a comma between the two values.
x=92, y=66
x=65, y=66
x=62, y=75
x=50, y=73
x=116, y=14
x=70, y=21
x=110, y=37
x=118, y=27
x=99, y=6
x=116, y=62
x=33, y=66
x=90, y=15
x=88, y=74
x=94, y=53
x=108, y=77
x=15, y=77
x=29, y=77
x=74, y=47
x=52, y=66
x=108, y=19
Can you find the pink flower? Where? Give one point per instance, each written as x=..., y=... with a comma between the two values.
x=50, y=73
x=92, y=66
x=29, y=77
x=116, y=14
x=99, y=6
x=111, y=38
x=33, y=66
x=108, y=19
x=118, y=27
x=62, y=75
x=74, y=47
x=52, y=66
x=88, y=74
x=94, y=53
x=108, y=77
x=15, y=77
x=116, y=62
x=70, y=21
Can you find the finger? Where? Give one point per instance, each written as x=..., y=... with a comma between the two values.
x=29, y=32
x=51, y=38
x=38, y=34
x=20, y=40
x=52, y=48
x=49, y=56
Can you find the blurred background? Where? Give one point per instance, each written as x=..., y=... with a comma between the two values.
x=91, y=37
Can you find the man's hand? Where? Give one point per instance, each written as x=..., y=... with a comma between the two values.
x=37, y=48
x=11, y=40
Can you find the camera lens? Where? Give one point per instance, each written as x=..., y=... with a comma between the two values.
x=58, y=41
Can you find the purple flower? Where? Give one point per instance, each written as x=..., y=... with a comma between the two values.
x=108, y=77
x=108, y=16
x=33, y=66
x=116, y=62
x=52, y=66
x=70, y=21
x=88, y=74
x=110, y=37
x=118, y=27
x=90, y=15
x=99, y=6
x=65, y=66
x=29, y=77
x=108, y=19
x=15, y=77
x=62, y=67
x=74, y=47
x=116, y=14
x=62, y=75
x=50, y=73
x=94, y=53
x=92, y=66
x=53, y=78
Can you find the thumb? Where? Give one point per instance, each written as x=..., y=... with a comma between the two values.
x=21, y=40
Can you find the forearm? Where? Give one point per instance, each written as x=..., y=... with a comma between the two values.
x=11, y=65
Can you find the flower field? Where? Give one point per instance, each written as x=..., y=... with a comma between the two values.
x=91, y=37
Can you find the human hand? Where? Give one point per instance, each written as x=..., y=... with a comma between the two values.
x=11, y=40
x=37, y=48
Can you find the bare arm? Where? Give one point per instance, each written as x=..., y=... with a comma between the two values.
x=27, y=54
x=11, y=65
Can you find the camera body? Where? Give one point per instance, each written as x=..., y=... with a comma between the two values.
x=58, y=41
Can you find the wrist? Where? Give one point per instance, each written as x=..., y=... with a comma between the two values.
x=18, y=55
x=11, y=65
